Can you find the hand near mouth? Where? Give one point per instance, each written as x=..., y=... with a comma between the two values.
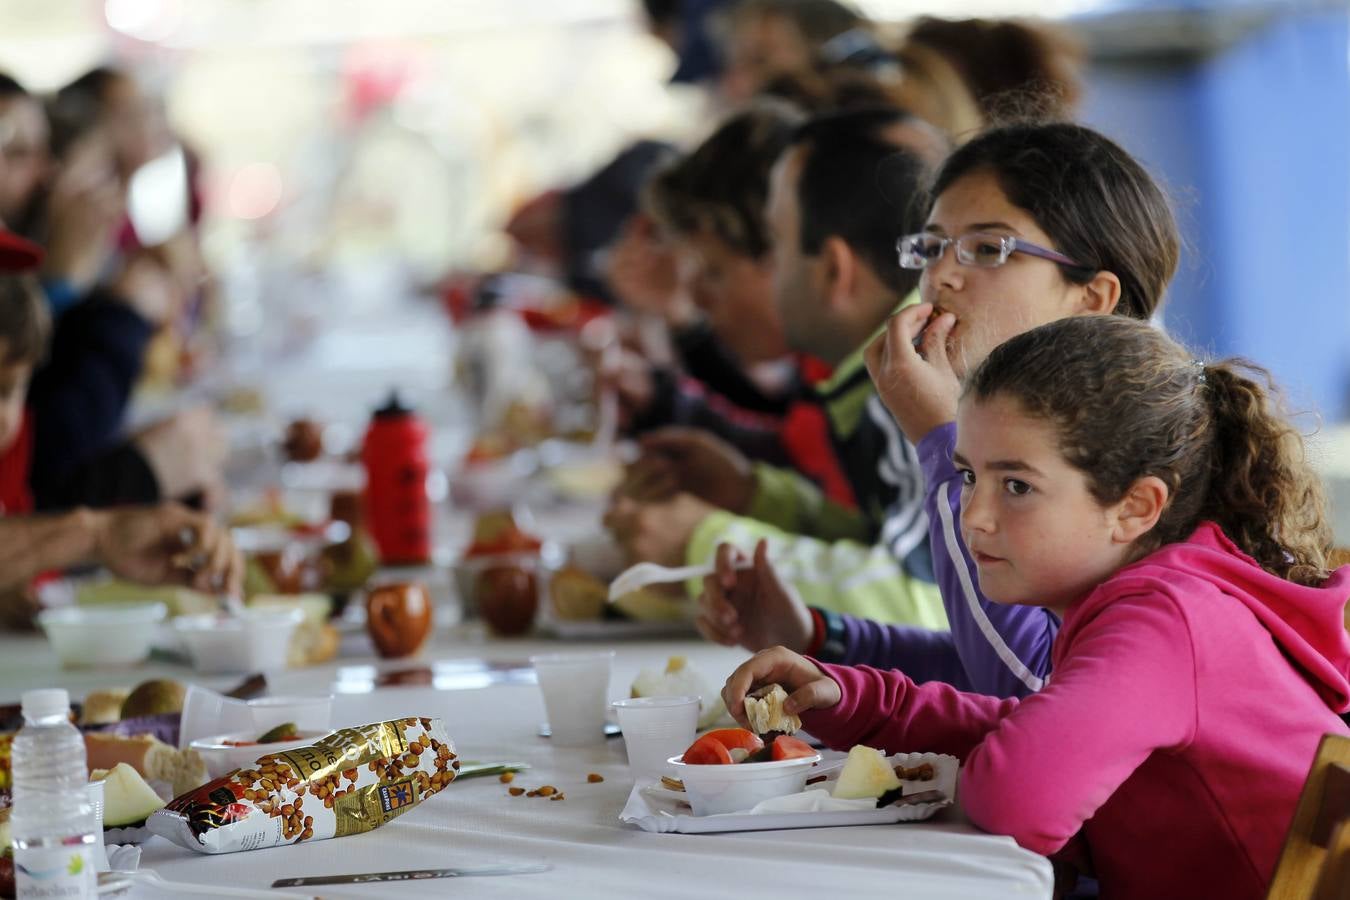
x=917, y=384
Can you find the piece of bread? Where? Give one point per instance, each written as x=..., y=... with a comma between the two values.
x=182, y=770
x=103, y=707
x=764, y=709
x=312, y=644
x=577, y=595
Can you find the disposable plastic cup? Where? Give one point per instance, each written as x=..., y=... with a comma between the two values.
x=94, y=790
x=576, y=692
x=655, y=729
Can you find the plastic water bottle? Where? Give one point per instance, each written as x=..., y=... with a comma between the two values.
x=52, y=824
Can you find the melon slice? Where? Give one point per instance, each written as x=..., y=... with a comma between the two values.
x=866, y=774
x=127, y=799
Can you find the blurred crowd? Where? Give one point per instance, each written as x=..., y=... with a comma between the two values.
x=104, y=289
x=744, y=273
x=749, y=271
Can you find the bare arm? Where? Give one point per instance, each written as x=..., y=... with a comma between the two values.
x=30, y=545
x=163, y=544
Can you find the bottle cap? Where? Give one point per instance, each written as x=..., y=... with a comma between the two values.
x=45, y=703
x=392, y=407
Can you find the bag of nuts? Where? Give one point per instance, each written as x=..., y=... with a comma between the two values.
x=353, y=780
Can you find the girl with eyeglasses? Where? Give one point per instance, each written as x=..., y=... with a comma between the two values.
x=1029, y=224
x=1164, y=509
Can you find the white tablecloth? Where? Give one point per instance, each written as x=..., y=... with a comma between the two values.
x=592, y=854
x=340, y=378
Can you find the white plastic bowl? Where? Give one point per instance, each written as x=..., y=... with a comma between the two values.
x=102, y=636
x=222, y=758
x=256, y=640
x=737, y=787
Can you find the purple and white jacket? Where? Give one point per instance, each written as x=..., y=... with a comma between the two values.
x=992, y=648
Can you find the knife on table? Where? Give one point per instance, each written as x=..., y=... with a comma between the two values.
x=473, y=768
x=413, y=875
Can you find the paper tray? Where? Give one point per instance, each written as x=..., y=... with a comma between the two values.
x=655, y=809
x=614, y=629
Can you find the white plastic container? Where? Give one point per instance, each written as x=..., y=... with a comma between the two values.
x=222, y=754
x=655, y=727
x=575, y=688
x=255, y=640
x=737, y=787
x=52, y=825
x=104, y=635
x=207, y=713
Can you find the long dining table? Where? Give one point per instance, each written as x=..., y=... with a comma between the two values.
x=484, y=691
x=483, y=688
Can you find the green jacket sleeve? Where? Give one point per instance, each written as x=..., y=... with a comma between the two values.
x=842, y=576
x=793, y=504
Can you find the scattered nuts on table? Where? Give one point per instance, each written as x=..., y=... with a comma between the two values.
x=595, y=778
x=506, y=777
x=515, y=792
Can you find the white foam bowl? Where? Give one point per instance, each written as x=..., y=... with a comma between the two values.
x=255, y=640
x=222, y=758
x=102, y=636
x=738, y=787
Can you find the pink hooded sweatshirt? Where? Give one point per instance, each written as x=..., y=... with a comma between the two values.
x=1188, y=696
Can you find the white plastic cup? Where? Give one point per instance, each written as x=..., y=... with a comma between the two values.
x=207, y=713
x=95, y=794
x=576, y=692
x=655, y=729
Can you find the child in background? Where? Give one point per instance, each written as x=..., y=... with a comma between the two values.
x=24, y=329
x=1162, y=508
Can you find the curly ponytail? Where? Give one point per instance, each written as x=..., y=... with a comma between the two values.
x=1128, y=402
x=1262, y=493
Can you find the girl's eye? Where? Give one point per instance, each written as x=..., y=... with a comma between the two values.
x=988, y=251
x=1017, y=488
x=967, y=477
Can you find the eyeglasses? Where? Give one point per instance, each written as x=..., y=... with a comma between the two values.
x=985, y=251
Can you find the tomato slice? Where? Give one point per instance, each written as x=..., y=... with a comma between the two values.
x=737, y=739
x=785, y=747
x=707, y=752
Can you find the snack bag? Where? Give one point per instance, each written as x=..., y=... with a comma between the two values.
x=351, y=781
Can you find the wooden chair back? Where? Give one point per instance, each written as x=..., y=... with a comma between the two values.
x=1315, y=861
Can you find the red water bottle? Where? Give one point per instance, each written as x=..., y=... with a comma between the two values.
x=398, y=510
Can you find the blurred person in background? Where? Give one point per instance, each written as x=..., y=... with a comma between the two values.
x=766, y=39
x=714, y=293
x=108, y=105
x=1007, y=64
x=25, y=149
x=964, y=75
x=178, y=457
x=847, y=185
x=643, y=269
x=564, y=234
x=105, y=308
x=113, y=101
x=685, y=26
x=118, y=477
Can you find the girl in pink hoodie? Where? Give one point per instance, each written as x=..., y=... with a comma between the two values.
x=1164, y=510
